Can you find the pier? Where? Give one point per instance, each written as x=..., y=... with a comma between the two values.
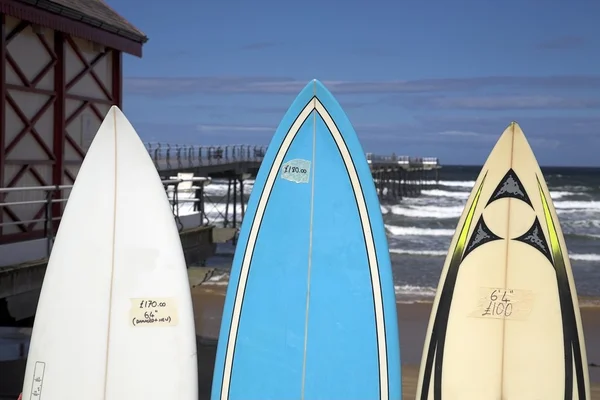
x=395, y=177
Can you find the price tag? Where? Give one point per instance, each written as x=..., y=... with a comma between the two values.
x=157, y=311
x=503, y=303
x=297, y=171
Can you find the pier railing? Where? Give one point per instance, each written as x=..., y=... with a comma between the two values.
x=168, y=156
x=411, y=162
x=43, y=199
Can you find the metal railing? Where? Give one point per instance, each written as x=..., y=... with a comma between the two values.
x=403, y=160
x=168, y=156
x=48, y=196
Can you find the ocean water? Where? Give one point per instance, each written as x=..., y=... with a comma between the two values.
x=420, y=229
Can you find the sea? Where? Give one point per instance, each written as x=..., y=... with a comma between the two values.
x=419, y=229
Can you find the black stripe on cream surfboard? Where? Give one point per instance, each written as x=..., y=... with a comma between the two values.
x=437, y=339
x=511, y=187
x=571, y=343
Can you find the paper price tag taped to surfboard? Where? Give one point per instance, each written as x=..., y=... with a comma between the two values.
x=297, y=171
x=503, y=303
x=153, y=311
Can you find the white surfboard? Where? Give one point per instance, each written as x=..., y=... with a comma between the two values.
x=505, y=322
x=114, y=320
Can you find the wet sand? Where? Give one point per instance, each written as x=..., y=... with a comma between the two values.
x=412, y=319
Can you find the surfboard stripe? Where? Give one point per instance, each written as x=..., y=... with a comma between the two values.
x=313, y=105
x=438, y=335
x=310, y=248
x=571, y=335
x=254, y=230
x=112, y=255
x=370, y=246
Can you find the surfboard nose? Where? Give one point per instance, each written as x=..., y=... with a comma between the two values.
x=518, y=138
x=512, y=134
x=318, y=85
x=115, y=122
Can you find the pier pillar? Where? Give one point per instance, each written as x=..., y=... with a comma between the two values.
x=242, y=200
x=227, y=201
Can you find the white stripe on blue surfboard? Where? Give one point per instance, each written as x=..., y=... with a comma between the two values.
x=314, y=104
x=371, y=253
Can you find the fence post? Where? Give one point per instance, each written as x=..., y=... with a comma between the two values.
x=48, y=225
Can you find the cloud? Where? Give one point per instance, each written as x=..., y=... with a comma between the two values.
x=216, y=128
x=202, y=134
x=281, y=109
x=488, y=139
x=499, y=102
x=422, y=129
x=565, y=127
x=163, y=86
x=463, y=134
x=439, y=133
x=562, y=43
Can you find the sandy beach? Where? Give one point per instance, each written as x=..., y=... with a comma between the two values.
x=412, y=320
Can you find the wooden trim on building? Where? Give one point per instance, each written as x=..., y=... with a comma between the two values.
x=2, y=110
x=59, y=118
x=117, y=78
x=69, y=26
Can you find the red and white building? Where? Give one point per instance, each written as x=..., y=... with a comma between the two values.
x=61, y=70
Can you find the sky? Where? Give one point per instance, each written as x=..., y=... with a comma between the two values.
x=421, y=78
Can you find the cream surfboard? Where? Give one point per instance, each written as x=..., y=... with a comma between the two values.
x=505, y=322
x=114, y=319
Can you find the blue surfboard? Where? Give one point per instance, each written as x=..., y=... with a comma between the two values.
x=310, y=310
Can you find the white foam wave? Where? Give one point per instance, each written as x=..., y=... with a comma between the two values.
x=220, y=189
x=445, y=193
x=218, y=280
x=582, y=227
x=431, y=253
x=416, y=231
x=585, y=257
x=428, y=211
x=412, y=290
x=466, y=184
x=577, y=205
x=576, y=189
x=560, y=194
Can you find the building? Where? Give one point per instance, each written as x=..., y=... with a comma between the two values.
x=61, y=71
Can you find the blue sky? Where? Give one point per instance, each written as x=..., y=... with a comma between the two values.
x=428, y=78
